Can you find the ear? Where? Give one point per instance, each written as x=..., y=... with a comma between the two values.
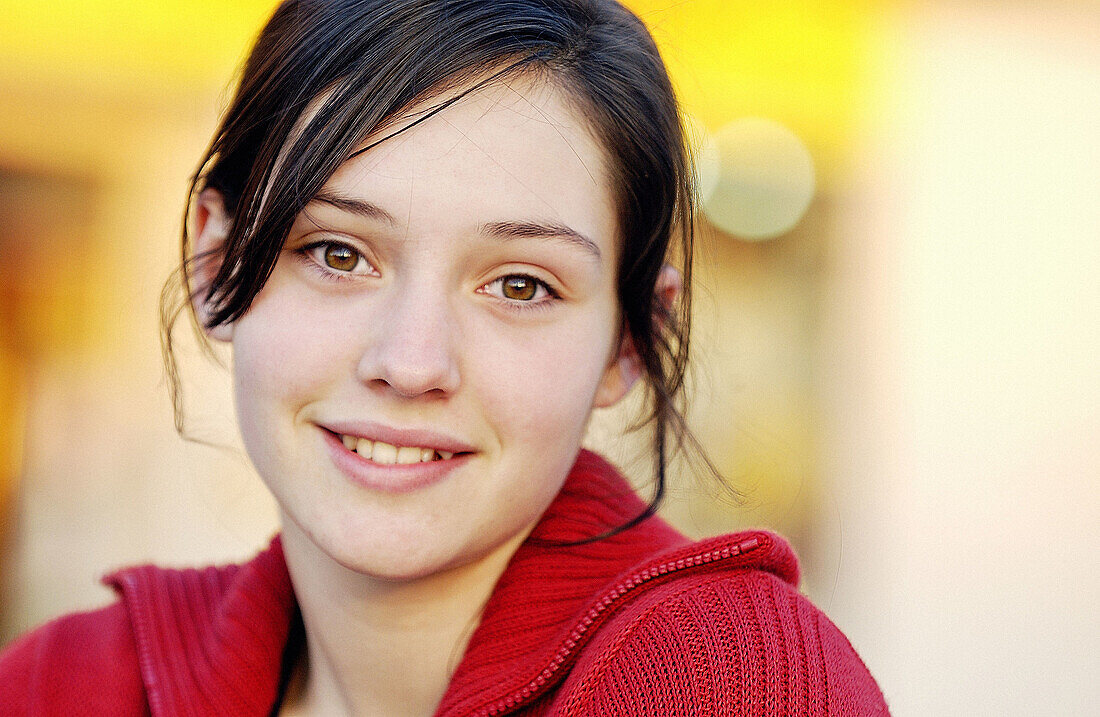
x=210, y=230
x=626, y=367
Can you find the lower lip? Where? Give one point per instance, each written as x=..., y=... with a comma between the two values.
x=396, y=478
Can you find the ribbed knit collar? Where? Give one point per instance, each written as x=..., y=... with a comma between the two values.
x=210, y=641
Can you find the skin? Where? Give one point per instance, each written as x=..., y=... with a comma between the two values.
x=420, y=333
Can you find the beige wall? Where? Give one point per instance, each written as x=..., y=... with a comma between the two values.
x=964, y=334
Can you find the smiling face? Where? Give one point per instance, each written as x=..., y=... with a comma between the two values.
x=450, y=291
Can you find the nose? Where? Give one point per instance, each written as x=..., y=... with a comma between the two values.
x=411, y=349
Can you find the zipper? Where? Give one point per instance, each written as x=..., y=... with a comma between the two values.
x=601, y=608
x=143, y=640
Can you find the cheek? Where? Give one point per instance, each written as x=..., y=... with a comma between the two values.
x=540, y=384
x=284, y=351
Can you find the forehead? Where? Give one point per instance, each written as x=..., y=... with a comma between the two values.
x=514, y=149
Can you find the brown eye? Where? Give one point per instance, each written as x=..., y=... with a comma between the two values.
x=522, y=292
x=519, y=288
x=341, y=257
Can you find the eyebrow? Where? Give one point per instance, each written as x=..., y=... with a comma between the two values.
x=500, y=230
x=354, y=206
x=540, y=230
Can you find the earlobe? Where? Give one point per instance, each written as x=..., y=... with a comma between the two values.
x=211, y=227
x=620, y=376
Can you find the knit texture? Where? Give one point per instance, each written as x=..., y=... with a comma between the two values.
x=642, y=623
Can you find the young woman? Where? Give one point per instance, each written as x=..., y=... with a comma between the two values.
x=437, y=236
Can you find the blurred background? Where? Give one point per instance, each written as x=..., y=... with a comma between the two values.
x=898, y=317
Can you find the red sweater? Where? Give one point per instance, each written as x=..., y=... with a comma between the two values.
x=643, y=623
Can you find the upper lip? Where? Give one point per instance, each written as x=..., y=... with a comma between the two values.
x=419, y=437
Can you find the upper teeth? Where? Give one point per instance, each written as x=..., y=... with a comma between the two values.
x=387, y=454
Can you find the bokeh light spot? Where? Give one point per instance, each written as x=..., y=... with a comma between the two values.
x=765, y=180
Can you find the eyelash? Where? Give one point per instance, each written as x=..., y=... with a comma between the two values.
x=552, y=297
x=305, y=254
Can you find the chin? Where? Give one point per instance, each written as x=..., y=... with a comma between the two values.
x=385, y=565
x=389, y=562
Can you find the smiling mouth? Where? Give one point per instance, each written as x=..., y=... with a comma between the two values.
x=387, y=454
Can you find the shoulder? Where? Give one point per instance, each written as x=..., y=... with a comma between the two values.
x=174, y=638
x=734, y=641
x=63, y=666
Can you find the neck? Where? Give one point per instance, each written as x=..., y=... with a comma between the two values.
x=381, y=647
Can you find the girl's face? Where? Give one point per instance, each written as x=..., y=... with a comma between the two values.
x=450, y=291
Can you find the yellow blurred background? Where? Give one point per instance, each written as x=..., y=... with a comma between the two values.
x=905, y=382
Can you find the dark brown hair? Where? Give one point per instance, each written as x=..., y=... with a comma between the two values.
x=360, y=63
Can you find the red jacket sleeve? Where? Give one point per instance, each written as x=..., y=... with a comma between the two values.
x=720, y=644
x=84, y=663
